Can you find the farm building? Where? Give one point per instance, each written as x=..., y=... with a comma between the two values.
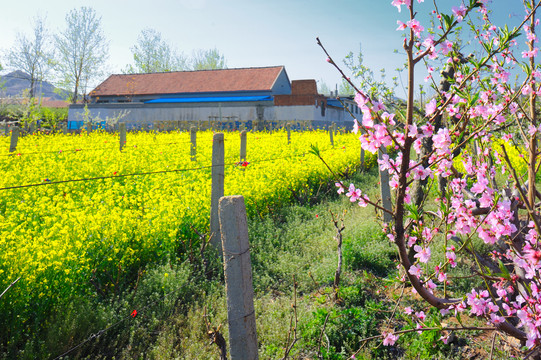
x=243, y=95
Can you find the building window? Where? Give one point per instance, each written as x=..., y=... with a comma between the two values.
x=322, y=104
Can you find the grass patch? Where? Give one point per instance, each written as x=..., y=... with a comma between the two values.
x=177, y=302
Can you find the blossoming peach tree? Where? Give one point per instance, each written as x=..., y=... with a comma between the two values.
x=454, y=181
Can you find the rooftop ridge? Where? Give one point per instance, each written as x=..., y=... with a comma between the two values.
x=202, y=70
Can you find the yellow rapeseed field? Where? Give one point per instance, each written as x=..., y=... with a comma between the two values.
x=59, y=237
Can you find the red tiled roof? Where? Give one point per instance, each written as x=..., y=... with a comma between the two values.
x=204, y=81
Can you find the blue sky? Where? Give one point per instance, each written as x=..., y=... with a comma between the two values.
x=249, y=33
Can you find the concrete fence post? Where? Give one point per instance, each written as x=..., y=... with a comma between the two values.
x=331, y=133
x=122, y=130
x=385, y=190
x=238, y=279
x=14, y=138
x=6, y=129
x=88, y=128
x=243, y=145
x=193, y=146
x=288, y=134
x=217, y=190
x=65, y=129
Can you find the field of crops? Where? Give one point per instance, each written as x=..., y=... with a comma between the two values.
x=77, y=214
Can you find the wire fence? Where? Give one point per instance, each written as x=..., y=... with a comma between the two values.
x=137, y=310
x=113, y=146
x=104, y=177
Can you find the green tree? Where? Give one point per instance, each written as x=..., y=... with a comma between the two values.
x=33, y=54
x=346, y=89
x=208, y=60
x=374, y=88
x=82, y=49
x=323, y=88
x=151, y=53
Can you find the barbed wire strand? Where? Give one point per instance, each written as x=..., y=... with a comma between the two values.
x=115, y=146
x=104, y=177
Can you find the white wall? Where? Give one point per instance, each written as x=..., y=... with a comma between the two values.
x=148, y=113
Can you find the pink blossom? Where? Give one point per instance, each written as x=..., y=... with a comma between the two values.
x=417, y=146
x=480, y=186
x=401, y=25
x=444, y=311
x=526, y=89
x=362, y=201
x=353, y=193
x=445, y=47
x=486, y=199
x=445, y=338
x=430, y=285
x=389, y=118
x=421, y=173
x=423, y=254
x=399, y=3
x=361, y=100
x=442, y=141
x=389, y=339
x=428, y=129
x=451, y=257
x=459, y=12
x=416, y=26
x=431, y=107
x=414, y=270
x=531, y=53
x=408, y=310
x=378, y=106
x=533, y=256
x=442, y=277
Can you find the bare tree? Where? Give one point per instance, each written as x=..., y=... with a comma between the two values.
x=82, y=49
x=151, y=53
x=33, y=54
x=208, y=60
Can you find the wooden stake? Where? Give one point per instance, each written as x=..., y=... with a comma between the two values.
x=243, y=145
x=238, y=279
x=14, y=138
x=193, y=139
x=122, y=129
x=217, y=190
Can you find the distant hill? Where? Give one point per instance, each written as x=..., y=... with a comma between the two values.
x=14, y=83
